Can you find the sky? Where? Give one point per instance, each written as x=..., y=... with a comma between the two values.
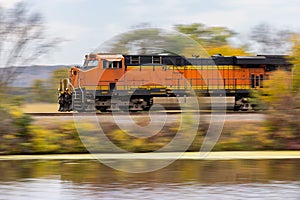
x=86, y=24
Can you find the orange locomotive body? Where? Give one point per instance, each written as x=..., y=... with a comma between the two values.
x=135, y=82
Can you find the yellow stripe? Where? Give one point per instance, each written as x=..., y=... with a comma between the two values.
x=204, y=67
x=99, y=87
x=163, y=88
x=246, y=87
x=188, y=67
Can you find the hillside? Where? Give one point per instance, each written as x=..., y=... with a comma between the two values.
x=27, y=74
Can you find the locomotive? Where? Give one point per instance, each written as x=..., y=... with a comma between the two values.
x=108, y=81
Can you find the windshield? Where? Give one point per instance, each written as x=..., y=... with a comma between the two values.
x=88, y=64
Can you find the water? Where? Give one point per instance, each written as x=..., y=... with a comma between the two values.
x=184, y=179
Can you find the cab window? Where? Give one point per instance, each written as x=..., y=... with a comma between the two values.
x=111, y=64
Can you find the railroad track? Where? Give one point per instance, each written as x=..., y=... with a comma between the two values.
x=123, y=118
x=174, y=112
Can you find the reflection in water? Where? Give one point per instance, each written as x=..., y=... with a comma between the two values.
x=184, y=179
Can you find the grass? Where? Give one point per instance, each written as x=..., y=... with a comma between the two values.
x=40, y=108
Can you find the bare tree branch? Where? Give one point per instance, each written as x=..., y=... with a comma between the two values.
x=23, y=40
x=266, y=39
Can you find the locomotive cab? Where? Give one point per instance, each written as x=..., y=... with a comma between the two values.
x=96, y=77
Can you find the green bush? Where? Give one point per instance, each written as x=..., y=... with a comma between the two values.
x=19, y=134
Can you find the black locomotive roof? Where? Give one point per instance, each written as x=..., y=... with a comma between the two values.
x=214, y=60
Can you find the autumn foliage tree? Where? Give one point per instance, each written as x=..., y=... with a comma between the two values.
x=281, y=95
x=147, y=40
x=214, y=39
x=206, y=35
x=295, y=59
x=187, y=39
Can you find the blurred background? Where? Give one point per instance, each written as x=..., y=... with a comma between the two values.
x=41, y=40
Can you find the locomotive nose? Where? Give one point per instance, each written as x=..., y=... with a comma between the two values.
x=73, y=75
